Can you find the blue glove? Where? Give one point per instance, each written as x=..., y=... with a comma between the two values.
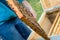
x=10, y=28
x=9, y=32
x=5, y=13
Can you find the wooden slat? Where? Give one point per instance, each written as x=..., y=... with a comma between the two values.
x=49, y=3
x=45, y=3
x=58, y=30
x=52, y=27
x=46, y=24
x=33, y=36
x=54, y=2
x=56, y=27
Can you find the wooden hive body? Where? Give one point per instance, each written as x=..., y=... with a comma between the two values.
x=49, y=22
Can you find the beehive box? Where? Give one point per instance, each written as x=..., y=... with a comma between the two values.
x=53, y=17
x=50, y=23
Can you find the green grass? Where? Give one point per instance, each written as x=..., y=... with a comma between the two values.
x=36, y=5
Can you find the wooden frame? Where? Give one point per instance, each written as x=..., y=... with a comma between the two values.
x=48, y=4
x=53, y=25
